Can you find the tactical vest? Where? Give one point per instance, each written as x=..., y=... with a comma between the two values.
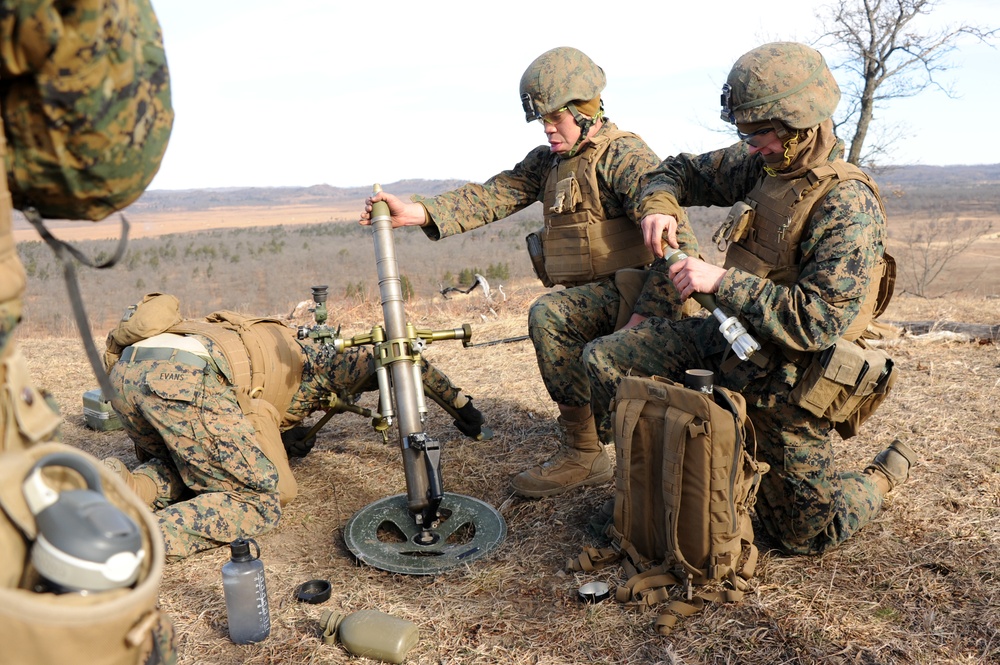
x=579, y=243
x=766, y=229
x=264, y=357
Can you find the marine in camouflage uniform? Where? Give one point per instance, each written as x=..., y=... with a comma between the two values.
x=85, y=102
x=86, y=116
x=207, y=469
x=781, y=97
x=561, y=88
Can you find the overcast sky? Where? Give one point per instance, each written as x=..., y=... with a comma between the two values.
x=349, y=93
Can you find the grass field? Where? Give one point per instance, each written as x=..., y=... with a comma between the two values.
x=919, y=585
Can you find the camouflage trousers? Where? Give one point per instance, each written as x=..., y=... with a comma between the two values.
x=561, y=324
x=214, y=484
x=805, y=503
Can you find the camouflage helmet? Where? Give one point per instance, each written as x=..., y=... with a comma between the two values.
x=786, y=81
x=86, y=104
x=556, y=78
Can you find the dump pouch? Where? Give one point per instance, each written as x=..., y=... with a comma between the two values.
x=629, y=282
x=845, y=384
x=265, y=420
x=114, y=627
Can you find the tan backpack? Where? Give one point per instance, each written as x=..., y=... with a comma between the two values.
x=684, y=487
x=114, y=627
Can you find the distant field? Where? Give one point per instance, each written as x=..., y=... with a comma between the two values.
x=151, y=224
x=264, y=259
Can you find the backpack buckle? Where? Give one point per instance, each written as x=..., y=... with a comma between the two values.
x=689, y=586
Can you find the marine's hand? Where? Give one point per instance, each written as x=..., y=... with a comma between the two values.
x=693, y=275
x=296, y=443
x=401, y=212
x=633, y=321
x=657, y=228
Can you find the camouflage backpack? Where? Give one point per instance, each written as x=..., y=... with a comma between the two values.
x=684, y=487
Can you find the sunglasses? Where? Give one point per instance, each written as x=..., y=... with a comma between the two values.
x=755, y=138
x=552, y=118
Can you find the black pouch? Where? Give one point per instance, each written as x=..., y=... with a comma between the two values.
x=537, y=253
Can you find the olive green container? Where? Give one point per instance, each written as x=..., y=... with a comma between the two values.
x=371, y=634
x=97, y=412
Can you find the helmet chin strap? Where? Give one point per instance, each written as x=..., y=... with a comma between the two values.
x=584, y=123
x=791, y=148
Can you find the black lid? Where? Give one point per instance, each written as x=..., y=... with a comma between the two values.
x=240, y=549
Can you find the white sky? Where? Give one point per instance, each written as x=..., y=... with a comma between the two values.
x=348, y=93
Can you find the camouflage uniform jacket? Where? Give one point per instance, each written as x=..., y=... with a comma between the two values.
x=473, y=205
x=842, y=242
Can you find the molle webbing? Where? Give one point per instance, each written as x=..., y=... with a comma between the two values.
x=263, y=354
x=580, y=244
x=782, y=209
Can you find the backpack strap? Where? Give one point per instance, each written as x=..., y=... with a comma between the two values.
x=673, y=475
x=593, y=558
x=653, y=587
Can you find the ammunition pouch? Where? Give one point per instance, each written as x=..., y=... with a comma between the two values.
x=735, y=227
x=845, y=384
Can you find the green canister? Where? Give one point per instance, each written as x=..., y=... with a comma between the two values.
x=370, y=633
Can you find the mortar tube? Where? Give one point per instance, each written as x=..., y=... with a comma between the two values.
x=405, y=386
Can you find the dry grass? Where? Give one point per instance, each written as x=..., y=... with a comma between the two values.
x=919, y=585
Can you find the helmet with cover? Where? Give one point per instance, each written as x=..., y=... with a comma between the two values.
x=784, y=81
x=557, y=79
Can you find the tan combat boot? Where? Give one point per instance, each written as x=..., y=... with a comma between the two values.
x=891, y=467
x=580, y=460
x=141, y=484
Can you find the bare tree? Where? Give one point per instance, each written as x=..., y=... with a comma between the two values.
x=887, y=59
x=930, y=245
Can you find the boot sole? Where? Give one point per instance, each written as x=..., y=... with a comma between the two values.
x=541, y=494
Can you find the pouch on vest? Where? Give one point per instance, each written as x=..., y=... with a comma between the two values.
x=567, y=196
x=736, y=225
x=845, y=384
x=114, y=627
x=154, y=314
x=537, y=254
x=684, y=488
